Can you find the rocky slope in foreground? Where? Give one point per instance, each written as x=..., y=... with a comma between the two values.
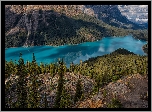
x=131, y=91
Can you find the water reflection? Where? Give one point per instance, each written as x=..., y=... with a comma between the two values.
x=75, y=53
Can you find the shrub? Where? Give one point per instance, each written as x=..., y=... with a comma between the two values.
x=115, y=103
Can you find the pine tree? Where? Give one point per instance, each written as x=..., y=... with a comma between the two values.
x=72, y=67
x=42, y=68
x=60, y=83
x=65, y=99
x=33, y=96
x=79, y=91
x=22, y=84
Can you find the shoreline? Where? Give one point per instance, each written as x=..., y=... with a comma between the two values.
x=80, y=43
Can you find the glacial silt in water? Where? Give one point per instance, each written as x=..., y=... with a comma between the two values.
x=75, y=53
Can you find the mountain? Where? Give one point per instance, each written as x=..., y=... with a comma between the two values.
x=33, y=25
x=135, y=13
x=112, y=14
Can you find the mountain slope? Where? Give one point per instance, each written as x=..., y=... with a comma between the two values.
x=29, y=25
x=135, y=13
x=126, y=91
x=110, y=14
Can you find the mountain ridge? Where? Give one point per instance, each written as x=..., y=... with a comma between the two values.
x=28, y=25
x=112, y=15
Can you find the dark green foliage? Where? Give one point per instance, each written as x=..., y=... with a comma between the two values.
x=72, y=67
x=145, y=48
x=61, y=71
x=10, y=68
x=33, y=94
x=22, y=84
x=16, y=40
x=115, y=103
x=60, y=30
x=99, y=81
x=122, y=51
x=111, y=67
x=115, y=78
x=79, y=91
x=102, y=69
x=66, y=100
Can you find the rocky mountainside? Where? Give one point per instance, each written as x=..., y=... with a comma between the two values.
x=29, y=15
x=135, y=13
x=49, y=86
x=24, y=23
x=31, y=25
x=125, y=92
x=112, y=14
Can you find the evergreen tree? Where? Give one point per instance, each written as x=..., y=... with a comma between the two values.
x=22, y=84
x=72, y=67
x=33, y=96
x=79, y=91
x=65, y=99
x=61, y=72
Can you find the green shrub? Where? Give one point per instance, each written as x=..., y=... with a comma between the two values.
x=115, y=103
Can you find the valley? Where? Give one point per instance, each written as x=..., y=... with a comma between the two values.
x=75, y=56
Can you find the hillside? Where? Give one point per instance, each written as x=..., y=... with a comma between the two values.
x=135, y=13
x=93, y=81
x=31, y=25
x=124, y=93
x=111, y=14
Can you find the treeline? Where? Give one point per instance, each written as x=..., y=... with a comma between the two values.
x=113, y=66
x=145, y=48
x=60, y=30
x=102, y=69
x=22, y=85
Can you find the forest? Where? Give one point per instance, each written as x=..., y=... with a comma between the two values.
x=62, y=30
x=22, y=79
x=145, y=48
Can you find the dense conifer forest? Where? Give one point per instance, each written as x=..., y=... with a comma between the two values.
x=22, y=80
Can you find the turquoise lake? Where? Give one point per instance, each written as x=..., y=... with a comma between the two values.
x=75, y=53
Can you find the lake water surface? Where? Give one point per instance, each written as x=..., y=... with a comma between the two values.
x=75, y=53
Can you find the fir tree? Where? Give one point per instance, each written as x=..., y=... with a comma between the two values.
x=60, y=83
x=33, y=96
x=79, y=91
x=65, y=99
x=22, y=84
